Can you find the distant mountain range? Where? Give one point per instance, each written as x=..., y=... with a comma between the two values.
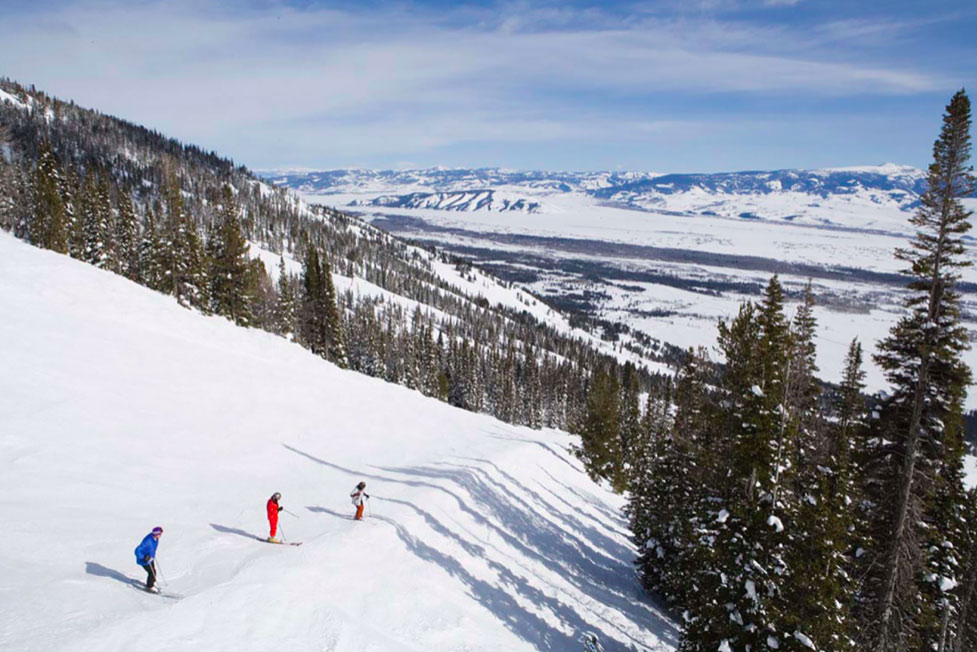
x=444, y=180
x=822, y=196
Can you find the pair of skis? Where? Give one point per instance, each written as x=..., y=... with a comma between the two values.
x=283, y=543
x=139, y=586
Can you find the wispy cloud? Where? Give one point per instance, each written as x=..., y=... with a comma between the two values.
x=394, y=80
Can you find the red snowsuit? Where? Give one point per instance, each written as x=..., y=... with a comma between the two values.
x=273, y=510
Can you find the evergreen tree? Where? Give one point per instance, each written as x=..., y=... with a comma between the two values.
x=854, y=452
x=191, y=278
x=851, y=404
x=9, y=192
x=97, y=223
x=127, y=237
x=600, y=431
x=921, y=359
x=230, y=277
x=629, y=432
x=79, y=200
x=335, y=338
x=669, y=487
x=817, y=588
x=110, y=257
x=746, y=570
x=531, y=390
x=182, y=256
x=14, y=192
x=411, y=371
x=963, y=636
x=260, y=296
x=322, y=329
x=313, y=331
x=49, y=228
x=152, y=272
x=285, y=311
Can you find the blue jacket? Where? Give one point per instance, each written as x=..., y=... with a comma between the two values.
x=147, y=547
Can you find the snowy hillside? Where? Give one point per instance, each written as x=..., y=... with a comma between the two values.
x=224, y=242
x=122, y=410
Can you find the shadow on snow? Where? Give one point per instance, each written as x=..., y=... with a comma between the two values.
x=231, y=530
x=93, y=568
x=582, y=554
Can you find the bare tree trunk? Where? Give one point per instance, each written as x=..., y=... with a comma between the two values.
x=943, y=625
x=968, y=598
x=905, y=492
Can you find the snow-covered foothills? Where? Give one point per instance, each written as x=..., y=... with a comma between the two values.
x=669, y=255
x=120, y=410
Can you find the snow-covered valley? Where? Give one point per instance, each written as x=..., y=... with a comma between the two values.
x=122, y=410
x=669, y=255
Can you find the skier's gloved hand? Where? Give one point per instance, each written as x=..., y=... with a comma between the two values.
x=280, y=508
x=147, y=558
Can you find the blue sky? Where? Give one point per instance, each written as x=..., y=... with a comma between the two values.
x=672, y=86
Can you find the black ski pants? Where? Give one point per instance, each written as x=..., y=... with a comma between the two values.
x=150, y=575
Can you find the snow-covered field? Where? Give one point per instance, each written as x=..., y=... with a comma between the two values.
x=120, y=411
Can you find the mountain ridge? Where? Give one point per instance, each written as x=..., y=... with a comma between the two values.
x=788, y=193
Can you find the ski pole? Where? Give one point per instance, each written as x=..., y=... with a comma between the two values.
x=159, y=572
x=290, y=513
x=282, y=532
x=369, y=506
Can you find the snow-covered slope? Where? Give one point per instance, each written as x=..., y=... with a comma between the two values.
x=119, y=411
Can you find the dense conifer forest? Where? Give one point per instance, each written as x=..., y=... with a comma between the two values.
x=771, y=514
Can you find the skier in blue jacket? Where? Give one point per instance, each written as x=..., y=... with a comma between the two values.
x=146, y=557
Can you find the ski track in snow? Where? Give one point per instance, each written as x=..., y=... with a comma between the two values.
x=119, y=411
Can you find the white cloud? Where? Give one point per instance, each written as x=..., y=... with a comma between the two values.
x=399, y=80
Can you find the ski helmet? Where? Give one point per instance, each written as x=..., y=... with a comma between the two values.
x=276, y=496
x=157, y=530
x=361, y=485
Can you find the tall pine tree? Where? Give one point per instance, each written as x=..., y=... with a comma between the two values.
x=921, y=359
x=49, y=228
x=229, y=270
x=127, y=236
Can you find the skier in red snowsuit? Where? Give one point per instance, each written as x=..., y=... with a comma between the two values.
x=273, y=508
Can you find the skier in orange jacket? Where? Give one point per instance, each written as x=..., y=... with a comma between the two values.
x=273, y=508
